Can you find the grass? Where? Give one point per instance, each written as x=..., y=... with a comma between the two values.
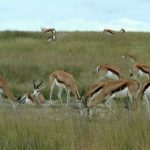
x=35, y=128
x=26, y=56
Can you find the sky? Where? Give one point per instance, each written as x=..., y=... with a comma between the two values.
x=72, y=15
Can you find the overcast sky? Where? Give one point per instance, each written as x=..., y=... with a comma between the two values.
x=132, y=15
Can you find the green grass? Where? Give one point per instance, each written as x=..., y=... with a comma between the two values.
x=26, y=56
x=35, y=128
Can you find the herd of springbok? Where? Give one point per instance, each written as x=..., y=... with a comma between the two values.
x=109, y=88
x=51, y=32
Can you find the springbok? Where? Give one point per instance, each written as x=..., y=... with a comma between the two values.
x=49, y=30
x=122, y=30
x=145, y=94
x=63, y=80
x=131, y=59
x=105, y=92
x=109, y=31
x=51, y=38
x=111, y=72
x=137, y=69
x=140, y=70
x=34, y=98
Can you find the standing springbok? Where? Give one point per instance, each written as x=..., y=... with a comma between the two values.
x=52, y=32
x=63, y=80
x=109, y=31
x=48, y=30
x=111, y=72
x=105, y=92
x=145, y=94
x=122, y=30
x=51, y=38
x=36, y=97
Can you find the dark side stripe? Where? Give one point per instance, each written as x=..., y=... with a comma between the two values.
x=147, y=85
x=60, y=81
x=115, y=72
x=143, y=70
x=123, y=86
x=97, y=90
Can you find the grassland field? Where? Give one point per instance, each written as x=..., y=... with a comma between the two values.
x=25, y=56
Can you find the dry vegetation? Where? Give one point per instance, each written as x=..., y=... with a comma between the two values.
x=26, y=56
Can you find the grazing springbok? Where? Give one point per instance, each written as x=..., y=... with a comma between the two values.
x=63, y=80
x=122, y=30
x=145, y=94
x=105, y=92
x=36, y=97
x=109, y=31
x=130, y=59
x=140, y=70
x=137, y=69
x=111, y=72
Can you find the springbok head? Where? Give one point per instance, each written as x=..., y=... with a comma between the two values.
x=36, y=85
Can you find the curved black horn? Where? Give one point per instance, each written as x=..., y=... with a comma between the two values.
x=39, y=83
x=34, y=84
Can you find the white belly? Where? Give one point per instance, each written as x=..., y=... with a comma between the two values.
x=111, y=75
x=121, y=94
x=59, y=84
x=143, y=74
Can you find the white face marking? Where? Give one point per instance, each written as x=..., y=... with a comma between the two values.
x=111, y=75
x=35, y=92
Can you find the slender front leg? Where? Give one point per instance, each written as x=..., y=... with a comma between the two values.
x=60, y=93
x=130, y=99
x=108, y=102
x=52, y=88
x=68, y=97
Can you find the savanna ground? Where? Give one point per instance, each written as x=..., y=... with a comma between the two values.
x=26, y=56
